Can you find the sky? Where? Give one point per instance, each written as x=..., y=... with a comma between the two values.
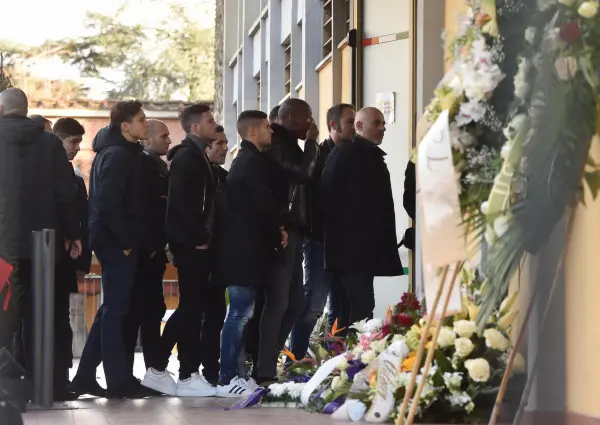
x=34, y=21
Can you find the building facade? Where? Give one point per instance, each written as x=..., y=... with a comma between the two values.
x=366, y=53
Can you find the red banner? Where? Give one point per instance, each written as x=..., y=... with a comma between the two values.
x=5, y=271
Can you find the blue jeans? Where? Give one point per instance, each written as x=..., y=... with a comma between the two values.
x=317, y=286
x=241, y=309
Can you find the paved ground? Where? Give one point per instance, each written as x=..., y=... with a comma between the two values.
x=165, y=410
x=170, y=411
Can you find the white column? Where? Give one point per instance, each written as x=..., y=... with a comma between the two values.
x=275, y=84
x=311, y=52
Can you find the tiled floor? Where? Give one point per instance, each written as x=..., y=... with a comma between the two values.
x=170, y=411
x=165, y=410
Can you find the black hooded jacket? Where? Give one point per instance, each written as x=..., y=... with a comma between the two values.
x=117, y=204
x=156, y=191
x=37, y=190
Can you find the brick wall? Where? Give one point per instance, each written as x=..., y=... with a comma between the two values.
x=84, y=159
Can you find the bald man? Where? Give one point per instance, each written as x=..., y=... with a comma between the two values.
x=360, y=222
x=38, y=192
x=147, y=300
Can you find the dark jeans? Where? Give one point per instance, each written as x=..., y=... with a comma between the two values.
x=357, y=296
x=63, y=334
x=284, y=302
x=241, y=309
x=317, y=286
x=183, y=327
x=252, y=335
x=147, y=308
x=106, y=340
x=210, y=336
x=16, y=332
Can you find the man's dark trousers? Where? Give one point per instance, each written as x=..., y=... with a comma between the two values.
x=106, y=341
x=147, y=308
x=184, y=326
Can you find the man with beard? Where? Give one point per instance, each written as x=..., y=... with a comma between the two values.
x=37, y=192
x=116, y=224
x=210, y=342
x=318, y=281
x=69, y=271
x=189, y=227
x=292, y=170
x=360, y=222
x=147, y=299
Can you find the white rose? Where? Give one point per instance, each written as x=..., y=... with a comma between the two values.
x=567, y=2
x=588, y=9
x=463, y=347
x=343, y=364
x=479, y=369
x=465, y=328
x=530, y=34
x=336, y=383
x=522, y=89
x=495, y=340
x=357, y=351
x=500, y=225
x=566, y=68
x=446, y=337
x=368, y=357
x=373, y=325
x=484, y=207
x=505, y=151
x=380, y=346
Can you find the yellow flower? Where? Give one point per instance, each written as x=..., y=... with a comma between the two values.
x=495, y=340
x=508, y=302
x=479, y=369
x=409, y=362
x=588, y=9
x=506, y=321
x=567, y=2
x=473, y=311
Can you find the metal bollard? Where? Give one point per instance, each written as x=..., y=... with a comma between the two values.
x=43, y=317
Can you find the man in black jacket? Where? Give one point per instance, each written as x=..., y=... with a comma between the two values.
x=360, y=222
x=249, y=243
x=210, y=343
x=37, y=192
x=116, y=223
x=291, y=172
x=147, y=299
x=189, y=231
x=69, y=271
x=317, y=281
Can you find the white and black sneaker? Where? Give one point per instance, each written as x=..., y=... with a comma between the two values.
x=238, y=387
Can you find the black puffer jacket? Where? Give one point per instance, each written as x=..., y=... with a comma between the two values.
x=37, y=189
x=291, y=171
x=117, y=205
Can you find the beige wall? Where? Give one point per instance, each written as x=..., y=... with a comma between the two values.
x=582, y=312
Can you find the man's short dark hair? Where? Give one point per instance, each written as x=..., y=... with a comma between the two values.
x=220, y=129
x=274, y=114
x=192, y=114
x=40, y=121
x=335, y=113
x=124, y=112
x=291, y=106
x=67, y=127
x=248, y=118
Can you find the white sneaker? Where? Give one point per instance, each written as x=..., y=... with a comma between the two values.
x=238, y=387
x=251, y=383
x=159, y=381
x=195, y=386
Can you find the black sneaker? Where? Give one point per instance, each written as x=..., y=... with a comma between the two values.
x=84, y=387
x=133, y=389
x=65, y=394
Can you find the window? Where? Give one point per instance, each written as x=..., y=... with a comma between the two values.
x=327, y=27
x=287, y=46
x=257, y=80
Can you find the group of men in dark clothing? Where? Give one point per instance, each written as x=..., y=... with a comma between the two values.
x=283, y=231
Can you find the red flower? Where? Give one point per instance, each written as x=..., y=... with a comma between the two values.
x=385, y=330
x=402, y=320
x=570, y=32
